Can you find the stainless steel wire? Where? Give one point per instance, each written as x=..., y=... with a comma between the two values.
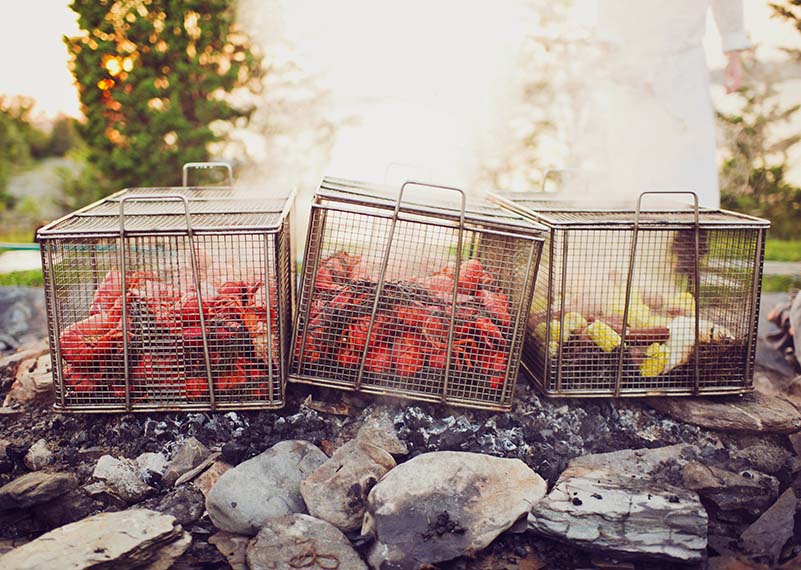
x=686, y=283
x=170, y=299
x=407, y=298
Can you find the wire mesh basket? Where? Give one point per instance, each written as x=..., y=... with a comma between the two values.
x=421, y=300
x=686, y=282
x=170, y=298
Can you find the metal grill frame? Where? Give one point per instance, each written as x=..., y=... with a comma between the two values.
x=275, y=232
x=545, y=209
x=337, y=196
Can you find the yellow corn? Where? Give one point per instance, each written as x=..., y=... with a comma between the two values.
x=603, y=335
x=656, y=358
x=574, y=322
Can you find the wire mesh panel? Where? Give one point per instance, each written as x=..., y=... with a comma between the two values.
x=415, y=300
x=164, y=299
x=687, y=290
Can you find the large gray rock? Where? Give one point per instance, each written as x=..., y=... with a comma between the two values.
x=749, y=491
x=123, y=479
x=337, y=491
x=598, y=508
x=263, y=487
x=446, y=504
x=35, y=488
x=191, y=454
x=752, y=413
x=768, y=535
x=121, y=540
x=286, y=542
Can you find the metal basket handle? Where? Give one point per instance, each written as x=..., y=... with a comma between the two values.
x=195, y=280
x=206, y=166
x=630, y=278
x=383, y=273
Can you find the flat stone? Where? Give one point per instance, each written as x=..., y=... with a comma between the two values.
x=66, y=509
x=122, y=478
x=35, y=488
x=206, y=480
x=753, y=413
x=762, y=453
x=767, y=536
x=263, y=487
x=166, y=556
x=600, y=509
x=337, y=491
x=285, y=541
x=191, y=454
x=99, y=491
x=233, y=547
x=750, y=491
x=198, y=469
x=442, y=505
x=640, y=462
x=38, y=456
x=120, y=540
x=379, y=430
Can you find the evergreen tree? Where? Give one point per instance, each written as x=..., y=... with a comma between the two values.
x=755, y=164
x=157, y=81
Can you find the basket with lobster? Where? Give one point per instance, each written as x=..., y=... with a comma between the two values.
x=170, y=298
x=413, y=298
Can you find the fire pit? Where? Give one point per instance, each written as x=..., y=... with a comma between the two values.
x=685, y=282
x=169, y=298
x=414, y=299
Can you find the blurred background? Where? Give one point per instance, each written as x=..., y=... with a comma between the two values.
x=96, y=96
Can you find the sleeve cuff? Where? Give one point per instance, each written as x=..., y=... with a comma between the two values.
x=735, y=41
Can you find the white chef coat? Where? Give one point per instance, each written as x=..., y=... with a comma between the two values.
x=650, y=124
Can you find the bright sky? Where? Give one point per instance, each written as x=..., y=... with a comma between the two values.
x=33, y=58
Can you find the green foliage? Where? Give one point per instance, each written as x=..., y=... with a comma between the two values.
x=782, y=250
x=780, y=283
x=753, y=174
x=64, y=136
x=20, y=142
x=155, y=81
x=29, y=278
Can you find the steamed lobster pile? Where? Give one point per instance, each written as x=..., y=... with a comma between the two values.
x=165, y=338
x=409, y=337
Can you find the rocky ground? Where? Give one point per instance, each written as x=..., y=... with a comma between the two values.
x=339, y=480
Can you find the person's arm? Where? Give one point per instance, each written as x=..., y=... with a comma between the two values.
x=731, y=25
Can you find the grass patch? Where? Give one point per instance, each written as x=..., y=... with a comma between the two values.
x=783, y=250
x=29, y=278
x=780, y=283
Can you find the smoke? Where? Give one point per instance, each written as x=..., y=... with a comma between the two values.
x=415, y=83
